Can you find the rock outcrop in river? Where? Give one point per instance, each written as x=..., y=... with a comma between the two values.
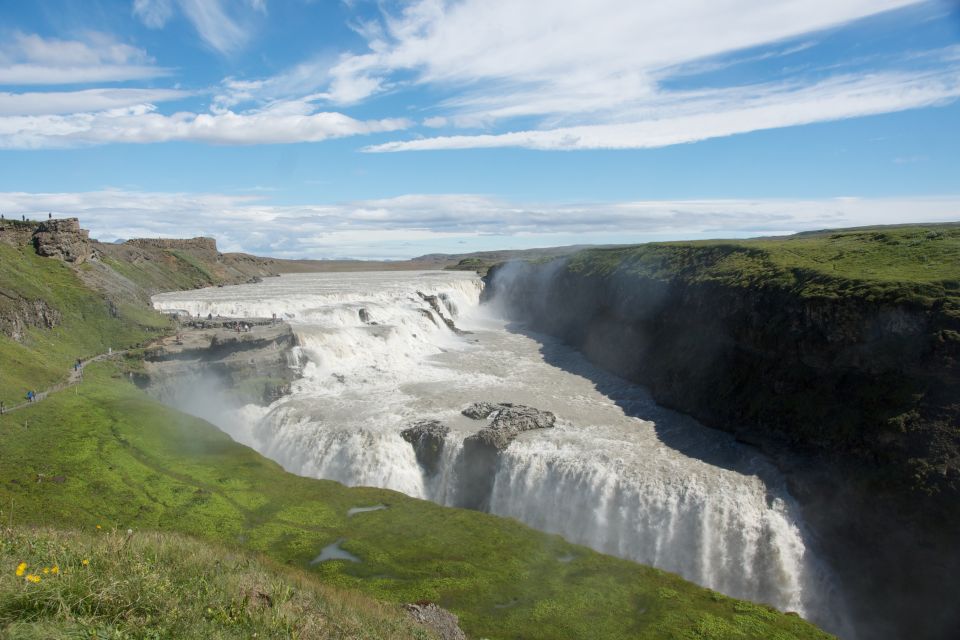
x=427, y=438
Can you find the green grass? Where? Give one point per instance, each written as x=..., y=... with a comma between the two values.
x=87, y=325
x=109, y=584
x=918, y=264
x=122, y=461
x=169, y=272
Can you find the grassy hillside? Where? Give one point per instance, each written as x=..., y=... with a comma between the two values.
x=920, y=263
x=105, y=455
x=89, y=323
x=108, y=584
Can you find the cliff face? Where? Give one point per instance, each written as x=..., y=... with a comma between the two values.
x=857, y=395
x=210, y=365
x=64, y=240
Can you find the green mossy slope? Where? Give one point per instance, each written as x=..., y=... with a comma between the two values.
x=89, y=322
x=913, y=263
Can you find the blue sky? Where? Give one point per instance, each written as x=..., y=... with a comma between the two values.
x=338, y=128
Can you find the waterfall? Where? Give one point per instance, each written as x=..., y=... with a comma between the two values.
x=611, y=475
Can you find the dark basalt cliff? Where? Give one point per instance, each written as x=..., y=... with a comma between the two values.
x=853, y=389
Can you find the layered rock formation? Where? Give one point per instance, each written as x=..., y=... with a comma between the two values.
x=63, y=239
x=19, y=314
x=214, y=362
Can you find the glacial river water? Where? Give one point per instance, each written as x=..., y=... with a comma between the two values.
x=618, y=473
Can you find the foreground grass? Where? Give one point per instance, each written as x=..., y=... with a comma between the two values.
x=110, y=456
x=109, y=584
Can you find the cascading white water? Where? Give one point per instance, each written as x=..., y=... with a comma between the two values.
x=617, y=473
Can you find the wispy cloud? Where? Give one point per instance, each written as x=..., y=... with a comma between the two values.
x=153, y=13
x=67, y=102
x=585, y=54
x=409, y=225
x=141, y=123
x=223, y=25
x=29, y=59
x=690, y=117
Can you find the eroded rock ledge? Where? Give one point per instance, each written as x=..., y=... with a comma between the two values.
x=250, y=366
x=476, y=464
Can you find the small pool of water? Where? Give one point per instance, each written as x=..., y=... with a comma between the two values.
x=334, y=552
x=356, y=510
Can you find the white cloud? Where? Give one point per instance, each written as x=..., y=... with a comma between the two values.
x=585, y=54
x=215, y=25
x=29, y=59
x=153, y=13
x=223, y=25
x=594, y=73
x=411, y=225
x=67, y=102
x=693, y=117
x=288, y=122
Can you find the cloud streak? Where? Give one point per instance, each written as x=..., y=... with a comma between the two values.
x=288, y=122
x=29, y=59
x=410, y=225
x=64, y=102
x=688, y=118
x=223, y=26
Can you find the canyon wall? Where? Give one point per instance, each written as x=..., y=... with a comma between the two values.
x=852, y=388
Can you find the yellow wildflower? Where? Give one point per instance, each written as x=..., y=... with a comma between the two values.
x=99, y=527
x=21, y=568
x=55, y=570
x=85, y=562
x=32, y=578
x=46, y=569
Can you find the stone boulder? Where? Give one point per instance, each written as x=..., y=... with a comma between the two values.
x=434, y=302
x=443, y=623
x=427, y=438
x=480, y=410
x=63, y=240
x=476, y=466
x=507, y=421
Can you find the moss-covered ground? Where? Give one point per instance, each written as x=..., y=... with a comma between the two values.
x=914, y=263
